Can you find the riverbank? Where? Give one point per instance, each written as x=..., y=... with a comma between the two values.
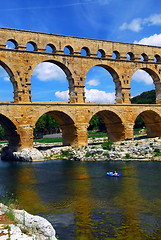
x=143, y=149
x=99, y=149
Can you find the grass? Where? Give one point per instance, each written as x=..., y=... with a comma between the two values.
x=10, y=215
x=48, y=140
x=5, y=141
x=54, y=140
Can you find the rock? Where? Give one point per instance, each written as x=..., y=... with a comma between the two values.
x=27, y=154
x=26, y=226
x=39, y=225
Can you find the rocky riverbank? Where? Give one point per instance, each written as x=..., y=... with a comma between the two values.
x=18, y=224
x=102, y=150
x=98, y=150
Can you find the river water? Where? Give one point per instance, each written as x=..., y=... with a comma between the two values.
x=82, y=203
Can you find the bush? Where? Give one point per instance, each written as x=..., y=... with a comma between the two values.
x=87, y=153
x=106, y=154
x=127, y=155
x=107, y=145
x=157, y=152
x=66, y=153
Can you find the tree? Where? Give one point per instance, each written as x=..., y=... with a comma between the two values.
x=46, y=124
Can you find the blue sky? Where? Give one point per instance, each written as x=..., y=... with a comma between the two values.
x=115, y=20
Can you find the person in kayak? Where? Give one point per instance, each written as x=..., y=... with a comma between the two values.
x=115, y=173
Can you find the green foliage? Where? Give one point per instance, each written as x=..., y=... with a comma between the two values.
x=107, y=145
x=96, y=123
x=10, y=215
x=87, y=153
x=46, y=125
x=145, y=98
x=2, y=133
x=106, y=154
x=48, y=140
x=157, y=152
x=97, y=135
x=127, y=155
x=66, y=153
x=8, y=199
x=139, y=123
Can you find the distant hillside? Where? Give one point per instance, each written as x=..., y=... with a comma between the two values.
x=145, y=98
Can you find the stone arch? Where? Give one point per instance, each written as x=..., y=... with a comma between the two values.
x=116, y=55
x=86, y=50
x=12, y=79
x=130, y=56
x=69, y=49
x=157, y=83
x=152, y=122
x=15, y=43
x=157, y=58
x=144, y=57
x=101, y=53
x=53, y=48
x=11, y=132
x=114, y=125
x=67, y=72
x=156, y=80
x=116, y=80
x=67, y=125
x=33, y=44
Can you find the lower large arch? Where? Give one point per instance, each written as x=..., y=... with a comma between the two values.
x=114, y=125
x=66, y=125
x=11, y=132
x=152, y=122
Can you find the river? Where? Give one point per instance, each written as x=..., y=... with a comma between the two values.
x=83, y=203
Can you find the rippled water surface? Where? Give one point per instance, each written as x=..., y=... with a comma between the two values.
x=83, y=203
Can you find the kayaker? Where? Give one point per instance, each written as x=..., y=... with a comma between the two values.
x=115, y=173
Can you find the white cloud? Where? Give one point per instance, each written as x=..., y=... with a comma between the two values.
x=93, y=82
x=92, y=95
x=138, y=23
x=64, y=95
x=48, y=71
x=154, y=40
x=142, y=76
x=154, y=19
x=135, y=25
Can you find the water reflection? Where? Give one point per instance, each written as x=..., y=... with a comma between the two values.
x=129, y=202
x=26, y=192
x=83, y=203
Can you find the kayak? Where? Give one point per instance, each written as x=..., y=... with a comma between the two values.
x=111, y=174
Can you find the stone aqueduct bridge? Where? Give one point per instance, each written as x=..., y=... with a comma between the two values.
x=19, y=117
